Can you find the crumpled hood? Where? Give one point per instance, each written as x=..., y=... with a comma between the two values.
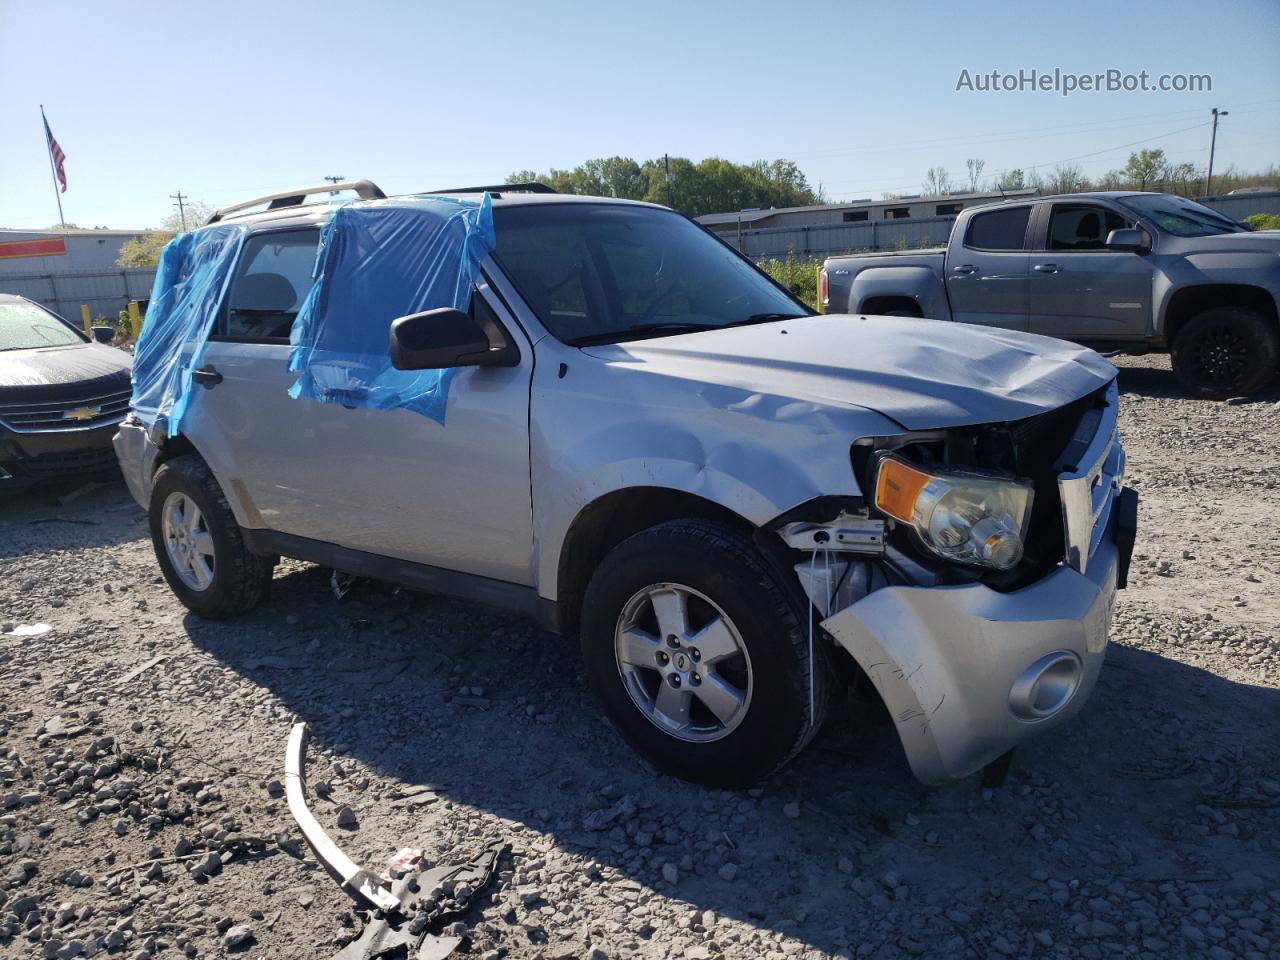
x=30, y=374
x=924, y=374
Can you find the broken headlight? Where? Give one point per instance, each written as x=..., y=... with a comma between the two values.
x=962, y=517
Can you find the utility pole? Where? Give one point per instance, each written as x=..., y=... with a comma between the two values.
x=1213, y=142
x=337, y=179
x=666, y=166
x=182, y=210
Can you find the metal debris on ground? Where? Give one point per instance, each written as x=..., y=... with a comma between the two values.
x=418, y=898
x=341, y=583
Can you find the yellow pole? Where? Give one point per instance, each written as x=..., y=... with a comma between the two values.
x=135, y=319
x=84, y=316
x=817, y=281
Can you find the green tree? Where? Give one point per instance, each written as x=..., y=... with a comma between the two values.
x=1144, y=168
x=1013, y=179
x=713, y=185
x=144, y=251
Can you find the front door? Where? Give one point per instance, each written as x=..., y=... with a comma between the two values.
x=1080, y=290
x=390, y=482
x=988, y=270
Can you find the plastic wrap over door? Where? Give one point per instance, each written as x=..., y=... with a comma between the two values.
x=377, y=262
x=191, y=279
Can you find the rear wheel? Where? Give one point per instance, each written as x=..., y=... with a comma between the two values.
x=199, y=545
x=1226, y=352
x=699, y=654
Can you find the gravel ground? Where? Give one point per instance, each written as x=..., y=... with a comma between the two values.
x=141, y=752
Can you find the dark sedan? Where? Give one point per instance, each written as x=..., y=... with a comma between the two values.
x=62, y=396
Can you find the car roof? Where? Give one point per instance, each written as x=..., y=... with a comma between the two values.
x=313, y=214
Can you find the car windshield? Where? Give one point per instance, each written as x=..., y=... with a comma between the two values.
x=25, y=326
x=1180, y=216
x=603, y=273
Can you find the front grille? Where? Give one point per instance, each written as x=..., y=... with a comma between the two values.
x=54, y=465
x=1092, y=469
x=58, y=415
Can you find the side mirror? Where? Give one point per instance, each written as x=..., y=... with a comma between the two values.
x=1128, y=239
x=104, y=334
x=442, y=338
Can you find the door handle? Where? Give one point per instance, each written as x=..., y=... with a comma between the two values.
x=964, y=270
x=208, y=377
x=1047, y=268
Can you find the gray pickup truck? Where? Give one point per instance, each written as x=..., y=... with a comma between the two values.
x=1120, y=272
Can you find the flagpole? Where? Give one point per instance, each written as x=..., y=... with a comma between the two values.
x=52, y=172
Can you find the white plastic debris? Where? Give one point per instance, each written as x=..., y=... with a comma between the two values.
x=29, y=630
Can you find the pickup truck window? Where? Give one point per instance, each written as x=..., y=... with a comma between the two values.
x=1002, y=229
x=601, y=273
x=1076, y=226
x=271, y=281
x=1180, y=216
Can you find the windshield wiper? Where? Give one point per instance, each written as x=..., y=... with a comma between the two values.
x=613, y=336
x=767, y=317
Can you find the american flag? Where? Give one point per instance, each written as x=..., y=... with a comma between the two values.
x=55, y=152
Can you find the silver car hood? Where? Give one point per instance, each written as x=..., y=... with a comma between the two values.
x=924, y=374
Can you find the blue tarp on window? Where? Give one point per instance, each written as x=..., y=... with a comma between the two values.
x=191, y=280
x=379, y=261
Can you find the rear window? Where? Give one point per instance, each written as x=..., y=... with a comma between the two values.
x=998, y=230
x=25, y=326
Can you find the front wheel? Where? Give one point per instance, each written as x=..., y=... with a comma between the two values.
x=701, y=656
x=1226, y=352
x=199, y=545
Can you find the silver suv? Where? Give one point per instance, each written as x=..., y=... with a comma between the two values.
x=736, y=505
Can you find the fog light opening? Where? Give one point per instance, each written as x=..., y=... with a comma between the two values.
x=1045, y=687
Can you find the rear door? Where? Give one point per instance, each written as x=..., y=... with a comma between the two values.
x=988, y=269
x=1080, y=290
x=240, y=416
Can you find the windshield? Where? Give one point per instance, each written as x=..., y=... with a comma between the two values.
x=25, y=326
x=601, y=273
x=1180, y=216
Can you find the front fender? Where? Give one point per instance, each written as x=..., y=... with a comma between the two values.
x=755, y=454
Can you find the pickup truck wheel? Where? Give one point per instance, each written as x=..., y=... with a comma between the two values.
x=1225, y=352
x=198, y=543
x=700, y=654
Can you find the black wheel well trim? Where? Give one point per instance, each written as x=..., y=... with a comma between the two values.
x=877, y=303
x=1188, y=302
x=608, y=520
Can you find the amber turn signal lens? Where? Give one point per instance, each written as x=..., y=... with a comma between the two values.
x=897, y=486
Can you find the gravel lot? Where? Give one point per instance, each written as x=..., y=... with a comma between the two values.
x=1148, y=827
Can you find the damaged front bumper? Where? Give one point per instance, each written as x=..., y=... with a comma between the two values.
x=968, y=673
x=137, y=454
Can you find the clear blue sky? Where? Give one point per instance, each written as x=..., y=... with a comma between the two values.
x=228, y=99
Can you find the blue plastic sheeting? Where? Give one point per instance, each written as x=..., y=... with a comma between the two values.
x=379, y=261
x=191, y=279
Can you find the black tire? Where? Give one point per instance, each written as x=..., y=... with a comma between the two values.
x=241, y=580
x=902, y=312
x=1226, y=352
x=771, y=618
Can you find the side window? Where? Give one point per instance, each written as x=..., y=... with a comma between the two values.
x=271, y=281
x=998, y=230
x=1074, y=226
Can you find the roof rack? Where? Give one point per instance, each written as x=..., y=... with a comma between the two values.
x=531, y=186
x=365, y=190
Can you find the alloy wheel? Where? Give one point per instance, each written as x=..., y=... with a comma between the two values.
x=187, y=541
x=683, y=662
